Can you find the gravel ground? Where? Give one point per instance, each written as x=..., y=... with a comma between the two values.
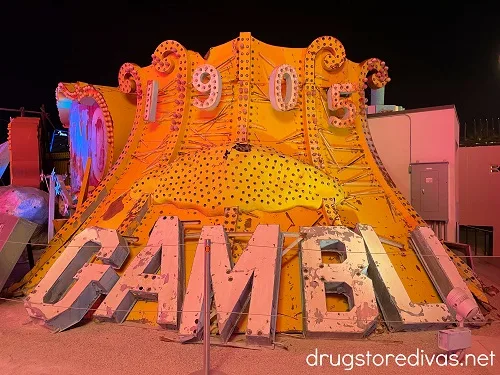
x=107, y=348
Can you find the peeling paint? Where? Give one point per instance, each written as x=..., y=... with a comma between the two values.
x=164, y=287
x=114, y=208
x=318, y=316
x=233, y=286
x=346, y=277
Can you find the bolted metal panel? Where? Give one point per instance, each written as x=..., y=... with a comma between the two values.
x=15, y=233
x=192, y=319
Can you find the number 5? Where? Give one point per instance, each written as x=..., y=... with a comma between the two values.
x=343, y=108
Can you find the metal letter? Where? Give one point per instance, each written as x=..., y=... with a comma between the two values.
x=140, y=280
x=399, y=312
x=344, y=278
x=46, y=301
x=257, y=273
x=151, y=101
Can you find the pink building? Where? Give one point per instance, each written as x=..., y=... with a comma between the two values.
x=479, y=187
x=452, y=188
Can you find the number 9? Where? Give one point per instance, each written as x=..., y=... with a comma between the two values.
x=207, y=80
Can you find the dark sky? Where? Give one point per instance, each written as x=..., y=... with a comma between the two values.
x=437, y=55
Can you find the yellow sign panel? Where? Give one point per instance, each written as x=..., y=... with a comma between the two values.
x=251, y=134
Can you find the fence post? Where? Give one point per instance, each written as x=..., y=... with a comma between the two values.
x=206, y=328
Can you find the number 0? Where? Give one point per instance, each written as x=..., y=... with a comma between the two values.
x=284, y=74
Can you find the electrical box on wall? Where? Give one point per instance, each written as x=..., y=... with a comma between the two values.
x=429, y=190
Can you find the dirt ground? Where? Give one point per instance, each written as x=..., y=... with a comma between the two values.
x=125, y=349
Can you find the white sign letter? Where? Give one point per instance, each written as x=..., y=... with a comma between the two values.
x=256, y=274
x=46, y=301
x=345, y=278
x=399, y=311
x=140, y=280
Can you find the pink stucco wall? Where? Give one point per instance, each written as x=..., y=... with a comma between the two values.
x=479, y=189
x=419, y=136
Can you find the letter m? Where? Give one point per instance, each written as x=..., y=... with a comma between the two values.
x=256, y=275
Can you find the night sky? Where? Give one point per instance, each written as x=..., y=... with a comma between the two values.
x=439, y=56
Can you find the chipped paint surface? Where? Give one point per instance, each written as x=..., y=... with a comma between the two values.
x=342, y=278
x=333, y=259
x=92, y=280
x=395, y=303
x=140, y=281
x=57, y=294
x=105, y=244
x=254, y=277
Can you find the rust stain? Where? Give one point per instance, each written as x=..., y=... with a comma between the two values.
x=114, y=208
x=140, y=264
x=248, y=224
x=141, y=321
x=313, y=284
x=364, y=314
x=318, y=316
x=124, y=287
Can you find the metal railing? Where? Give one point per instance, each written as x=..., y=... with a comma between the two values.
x=480, y=132
x=479, y=238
